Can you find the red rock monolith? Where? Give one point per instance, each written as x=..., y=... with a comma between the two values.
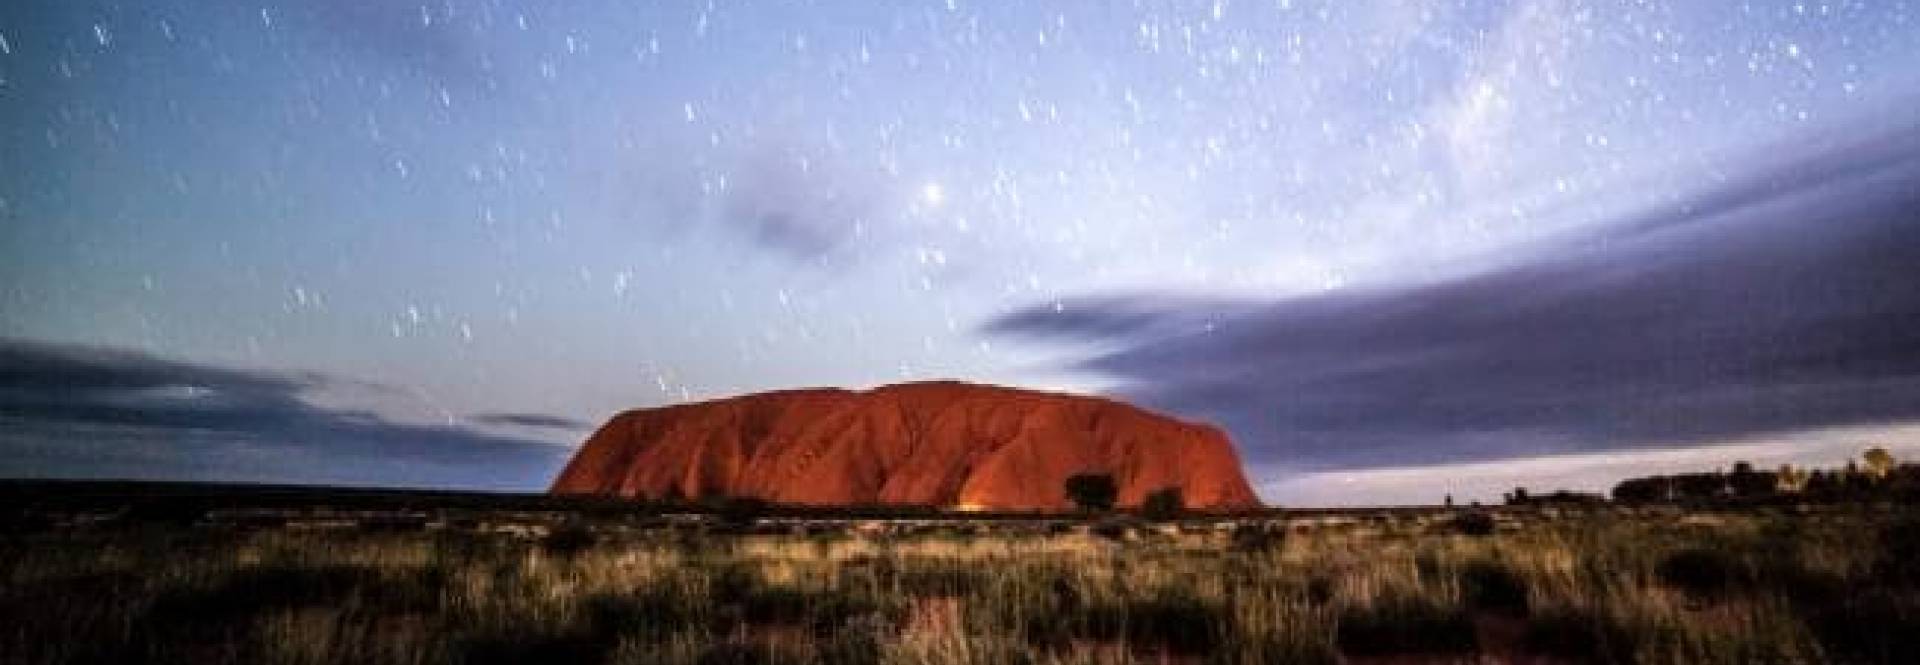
x=946, y=444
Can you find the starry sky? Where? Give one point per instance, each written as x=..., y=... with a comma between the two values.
x=1397, y=248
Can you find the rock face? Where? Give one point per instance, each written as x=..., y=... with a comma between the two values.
x=944, y=444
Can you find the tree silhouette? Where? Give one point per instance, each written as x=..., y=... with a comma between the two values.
x=1092, y=491
x=1699, y=486
x=1517, y=497
x=1746, y=482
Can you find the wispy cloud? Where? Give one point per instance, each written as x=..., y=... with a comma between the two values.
x=805, y=206
x=534, y=420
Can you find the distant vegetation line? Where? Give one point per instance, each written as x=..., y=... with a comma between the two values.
x=187, y=495
x=1876, y=476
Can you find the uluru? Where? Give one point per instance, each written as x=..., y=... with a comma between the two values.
x=945, y=444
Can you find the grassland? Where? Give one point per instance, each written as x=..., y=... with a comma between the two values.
x=1603, y=585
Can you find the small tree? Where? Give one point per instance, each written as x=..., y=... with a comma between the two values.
x=1879, y=462
x=1749, y=483
x=1790, y=480
x=1517, y=497
x=1643, y=490
x=1164, y=504
x=1093, y=492
x=1700, y=486
x=1821, y=484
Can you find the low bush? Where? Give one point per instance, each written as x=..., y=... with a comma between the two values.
x=1258, y=536
x=569, y=539
x=1164, y=505
x=1475, y=523
x=1114, y=529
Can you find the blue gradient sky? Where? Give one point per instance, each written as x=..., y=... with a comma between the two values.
x=460, y=210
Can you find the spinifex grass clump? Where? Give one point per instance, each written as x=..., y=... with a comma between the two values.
x=1600, y=587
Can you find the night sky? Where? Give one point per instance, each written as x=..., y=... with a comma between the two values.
x=1398, y=249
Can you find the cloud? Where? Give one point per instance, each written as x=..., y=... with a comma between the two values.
x=72, y=410
x=1117, y=317
x=793, y=202
x=1781, y=301
x=536, y=420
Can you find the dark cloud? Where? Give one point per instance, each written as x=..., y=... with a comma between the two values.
x=1783, y=300
x=56, y=368
x=536, y=420
x=91, y=411
x=800, y=204
x=1130, y=317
